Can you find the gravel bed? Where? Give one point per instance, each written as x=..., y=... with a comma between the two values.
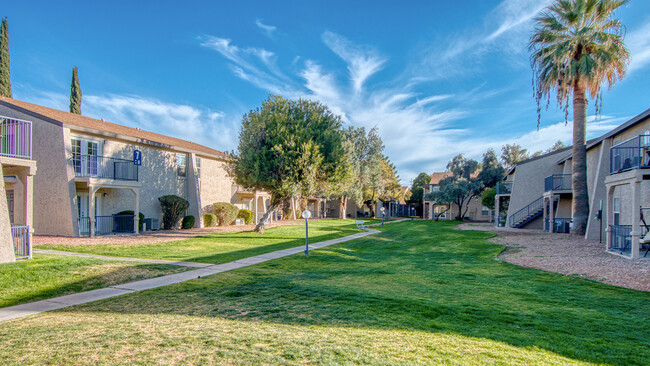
x=569, y=255
x=160, y=236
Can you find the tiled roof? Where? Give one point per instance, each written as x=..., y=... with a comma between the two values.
x=437, y=177
x=74, y=120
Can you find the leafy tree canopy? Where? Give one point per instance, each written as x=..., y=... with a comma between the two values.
x=491, y=170
x=417, y=188
x=459, y=188
x=5, y=80
x=512, y=154
x=290, y=148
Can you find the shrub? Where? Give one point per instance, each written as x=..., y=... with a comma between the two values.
x=188, y=222
x=226, y=213
x=140, y=216
x=172, y=207
x=247, y=215
x=209, y=219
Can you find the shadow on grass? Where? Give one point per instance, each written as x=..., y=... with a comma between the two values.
x=420, y=276
x=49, y=276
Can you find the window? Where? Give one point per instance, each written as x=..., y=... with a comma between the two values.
x=86, y=157
x=435, y=189
x=181, y=163
x=617, y=211
x=485, y=211
x=198, y=167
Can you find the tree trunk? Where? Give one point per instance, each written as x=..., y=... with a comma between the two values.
x=579, y=163
x=343, y=203
x=260, y=225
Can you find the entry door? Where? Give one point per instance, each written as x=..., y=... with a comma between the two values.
x=82, y=210
x=85, y=157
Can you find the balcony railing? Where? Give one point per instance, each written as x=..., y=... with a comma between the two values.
x=504, y=187
x=557, y=182
x=22, y=244
x=621, y=238
x=560, y=225
x=105, y=225
x=15, y=138
x=631, y=154
x=93, y=166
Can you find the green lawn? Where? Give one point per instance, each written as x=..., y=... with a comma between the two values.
x=223, y=247
x=418, y=293
x=48, y=276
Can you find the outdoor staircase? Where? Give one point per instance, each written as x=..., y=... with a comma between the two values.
x=530, y=212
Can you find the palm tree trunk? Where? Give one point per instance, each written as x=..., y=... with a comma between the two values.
x=579, y=162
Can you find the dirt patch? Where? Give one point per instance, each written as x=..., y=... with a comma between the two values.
x=160, y=236
x=569, y=255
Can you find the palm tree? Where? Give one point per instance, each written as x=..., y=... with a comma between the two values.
x=576, y=47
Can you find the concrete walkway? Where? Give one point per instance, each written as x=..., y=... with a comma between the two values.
x=22, y=310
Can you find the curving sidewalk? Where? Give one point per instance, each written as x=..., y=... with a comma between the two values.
x=205, y=269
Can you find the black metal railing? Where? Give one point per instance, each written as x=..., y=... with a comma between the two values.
x=620, y=238
x=93, y=166
x=560, y=225
x=631, y=154
x=504, y=187
x=22, y=244
x=527, y=213
x=557, y=182
x=105, y=225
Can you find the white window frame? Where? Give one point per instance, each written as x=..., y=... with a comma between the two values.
x=617, y=210
x=181, y=165
x=88, y=166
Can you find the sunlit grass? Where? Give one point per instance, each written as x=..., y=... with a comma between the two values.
x=418, y=293
x=223, y=247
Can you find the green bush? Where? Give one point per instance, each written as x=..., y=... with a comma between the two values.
x=247, y=215
x=172, y=207
x=226, y=213
x=188, y=222
x=140, y=216
x=209, y=219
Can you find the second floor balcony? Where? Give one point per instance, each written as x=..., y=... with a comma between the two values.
x=631, y=154
x=504, y=187
x=558, y=182
x=93, y=166
x=15, y=138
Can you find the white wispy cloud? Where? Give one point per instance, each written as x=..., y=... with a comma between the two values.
x=638, y=42
x=362, y=62
x=193, y=123
x=267, y=29
x=253, y=64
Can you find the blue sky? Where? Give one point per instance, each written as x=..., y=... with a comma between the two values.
x=436, y=78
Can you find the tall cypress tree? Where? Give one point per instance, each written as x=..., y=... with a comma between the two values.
x=75, y=93
x=5, y=82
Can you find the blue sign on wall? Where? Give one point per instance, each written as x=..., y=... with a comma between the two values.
x=137, y=157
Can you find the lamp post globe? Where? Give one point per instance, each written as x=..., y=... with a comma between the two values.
x=306, y=215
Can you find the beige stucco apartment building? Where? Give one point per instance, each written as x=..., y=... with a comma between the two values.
x=87, y=174
x=432, y=210
x=618, y=180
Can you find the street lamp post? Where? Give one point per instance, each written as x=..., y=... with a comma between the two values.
x=306, y=215
x=383, y=213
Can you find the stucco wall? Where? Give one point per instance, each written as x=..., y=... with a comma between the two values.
x=216, y=185
x=157, y=176
x=528, y=182
x=52, y=204
x=6, y=243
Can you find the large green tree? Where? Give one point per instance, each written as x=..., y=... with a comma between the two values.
x=491, y=170
x=576, y=46
x=5, y=80
x=364, y=152
x=459, y=188
x=289, y=148
x=75, y=93
x=512, y=154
